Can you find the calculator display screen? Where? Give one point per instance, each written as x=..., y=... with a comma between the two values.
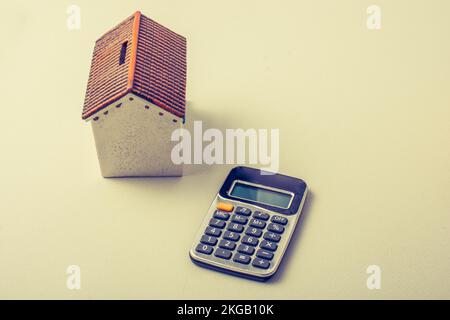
x=262, y=195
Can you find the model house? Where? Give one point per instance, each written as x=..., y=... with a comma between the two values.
x=135, y=98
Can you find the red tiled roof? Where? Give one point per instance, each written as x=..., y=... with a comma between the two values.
x=142, y=57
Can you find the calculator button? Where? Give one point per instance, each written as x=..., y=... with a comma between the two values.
x=208, y=240
x=243, y=248
x=221, y=215
x=224, y=206
x=217, y=223
x=243, y=211
x=264, y=254
x=255, y=232
x=222, y=253
x=272, y=236
x=257, y=223
x=280, y=220
x=275, y=228
x=250, y=240
x=261, y=263
x=261, y=215
x=239, y=219
x=227, y=244
x=204, y=248
x=235, y=227
x=241, y=258
x=229, y=235
x=213, y=231
x=268, y=245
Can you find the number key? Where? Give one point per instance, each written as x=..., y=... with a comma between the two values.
x=227, y=244
x=204, y=248
x=255, y=232
x=208, y=240
x=250, y=240
x=217, y=223
x=246, y=249
x=213, y=231
x=231, y=236
x=235, y=227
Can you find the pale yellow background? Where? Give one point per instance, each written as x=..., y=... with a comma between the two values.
x=363, y=118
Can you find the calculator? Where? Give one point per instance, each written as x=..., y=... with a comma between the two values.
x=249, y=224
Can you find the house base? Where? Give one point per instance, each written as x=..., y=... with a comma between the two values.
x=132, y=137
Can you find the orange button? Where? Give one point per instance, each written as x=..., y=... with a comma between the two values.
x=224, y=206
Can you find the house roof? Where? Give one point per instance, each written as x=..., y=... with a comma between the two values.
x=142, y=57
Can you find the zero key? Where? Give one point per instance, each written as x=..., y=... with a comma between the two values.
x=204, y=248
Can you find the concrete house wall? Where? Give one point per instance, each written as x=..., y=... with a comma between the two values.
x=133, y=139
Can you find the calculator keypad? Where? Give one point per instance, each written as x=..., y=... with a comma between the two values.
x=243, y=237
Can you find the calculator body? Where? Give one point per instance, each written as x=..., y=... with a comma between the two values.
x=249, y=224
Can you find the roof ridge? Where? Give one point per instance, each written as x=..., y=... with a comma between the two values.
x=117, y=26
x=134, y=43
